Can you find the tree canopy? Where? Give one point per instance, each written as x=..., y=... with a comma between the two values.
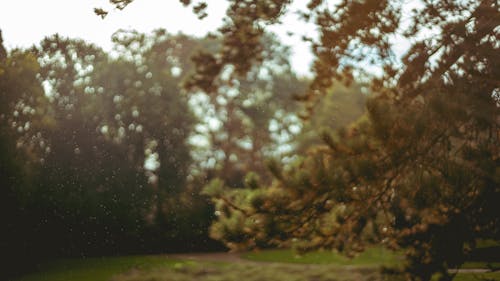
x=421, y=172
x=94, y=149
x=106, y=153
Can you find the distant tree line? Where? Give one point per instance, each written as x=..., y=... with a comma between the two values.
x=105, y=153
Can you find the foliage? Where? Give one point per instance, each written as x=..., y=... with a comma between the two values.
x=241, y=84
x=110, y=117
x=17, y=164
x=340, y=109
x=248, y=118
x=420, y=173
x=94, y=149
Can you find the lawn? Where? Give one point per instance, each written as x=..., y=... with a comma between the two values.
x=477, y=276
x=161, y=268
x=279, y=265
x=209, y=271
x=371, y=257
x=94, y=269
x=478, y=264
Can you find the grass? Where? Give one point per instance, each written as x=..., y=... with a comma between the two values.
x=94, y=269
x=372, y=257
x=204, y=271
x=487, y=243
x=477, y=276
x=283, y=265
x=160, y=268
x=479, y=264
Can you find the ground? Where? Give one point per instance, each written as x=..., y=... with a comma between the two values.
x=256, y=266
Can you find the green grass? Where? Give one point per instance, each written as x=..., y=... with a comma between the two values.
x=204, y=271
x=479, y=264
x=477, y=276
x=318, y=266
x=159, y=268
x=375, y=256
x=94, y=269
x=487, y=243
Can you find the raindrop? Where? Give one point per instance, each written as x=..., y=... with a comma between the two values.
x=176, y=71
x=121, y=132
x=211, y=162
x=273, y=125
x=135, y=113
x=117, y=98
x=232, y=92
x=221, y=100
x=233, y=157
x=294, y=129
x=104, y=129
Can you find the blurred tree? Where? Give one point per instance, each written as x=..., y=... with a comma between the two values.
x=152, y=112
x=91, y=198
x=20, y=115
x=147, y=97
x=243, y=86
x=340, y=109
x=116, y=156
x=3, y=52
x=98, y=163
x=249, y=118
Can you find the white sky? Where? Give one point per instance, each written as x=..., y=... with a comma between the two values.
x=27, y=22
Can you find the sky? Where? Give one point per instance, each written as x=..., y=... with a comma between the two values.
x=27, y=22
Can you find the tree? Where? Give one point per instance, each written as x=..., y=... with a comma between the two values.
x=21, y=114
x=247, y=119
x=341, y=108
x=157, y=120
x=90, y=198
x=421, y=170
x=115, y=154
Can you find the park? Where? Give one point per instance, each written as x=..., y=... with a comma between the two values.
x=250, y=140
